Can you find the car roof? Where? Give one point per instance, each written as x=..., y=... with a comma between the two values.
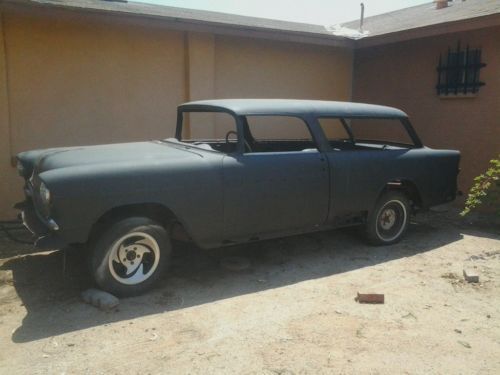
x=292, y=107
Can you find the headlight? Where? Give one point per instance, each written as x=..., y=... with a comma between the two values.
x=44, y=194
x=20, y=168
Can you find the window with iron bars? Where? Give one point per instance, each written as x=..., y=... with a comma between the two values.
x=458, y=73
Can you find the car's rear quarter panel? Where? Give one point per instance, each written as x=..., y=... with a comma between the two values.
x=358, y=177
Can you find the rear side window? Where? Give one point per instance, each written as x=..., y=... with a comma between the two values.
x=380, y=131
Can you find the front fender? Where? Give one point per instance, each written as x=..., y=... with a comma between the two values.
x=194, y=193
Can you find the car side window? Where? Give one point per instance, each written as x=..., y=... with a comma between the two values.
x=278, y=134
x=334, y=129
x=377, y=130
x=210, y=130
x=364, y=133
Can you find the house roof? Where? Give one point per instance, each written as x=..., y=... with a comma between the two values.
x=409, y=23
x=293, y=107
x=201, y=20
x=426, y=16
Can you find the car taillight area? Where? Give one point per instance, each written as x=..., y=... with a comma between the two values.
x=445, y=173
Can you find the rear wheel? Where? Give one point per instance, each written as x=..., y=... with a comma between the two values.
x=388, y=221
x=130, y=256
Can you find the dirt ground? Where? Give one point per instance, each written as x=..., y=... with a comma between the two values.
x=292, y=311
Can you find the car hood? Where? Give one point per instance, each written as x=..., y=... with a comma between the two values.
x=63, y=157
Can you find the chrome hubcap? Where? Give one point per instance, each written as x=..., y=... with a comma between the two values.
x=134, y=258
x=391, y=220
x=387, y=218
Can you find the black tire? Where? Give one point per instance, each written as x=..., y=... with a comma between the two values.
x=130, y=256
x=388, y=221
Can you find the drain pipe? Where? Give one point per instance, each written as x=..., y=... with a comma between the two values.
x=362, y=17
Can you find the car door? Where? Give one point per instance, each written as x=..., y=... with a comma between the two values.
x=272, y=192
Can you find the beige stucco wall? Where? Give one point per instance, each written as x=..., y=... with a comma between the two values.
x=253, y=68
x=404, y=75
x=7, y=173
x=269, y=69
x=75, y=80
x=70, y=78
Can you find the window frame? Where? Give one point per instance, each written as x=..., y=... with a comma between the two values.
x=311, y=121
x=404, y=121
x=247, y=132
x=209, y=109
x=242, y=127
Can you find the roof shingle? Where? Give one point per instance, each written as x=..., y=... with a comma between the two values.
x=413, y=19
x=426, y=15
x=190, y=16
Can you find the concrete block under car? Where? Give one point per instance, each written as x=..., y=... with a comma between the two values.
x=100, y=299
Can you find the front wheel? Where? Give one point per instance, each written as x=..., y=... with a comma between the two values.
x=388, y=221
x=130, y=256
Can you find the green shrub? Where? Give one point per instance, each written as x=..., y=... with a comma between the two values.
x=486, y=189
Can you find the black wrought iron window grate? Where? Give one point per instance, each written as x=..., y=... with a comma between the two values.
x=459, y=72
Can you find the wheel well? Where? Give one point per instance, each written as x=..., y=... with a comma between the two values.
x=408, y=188
x=154, y=211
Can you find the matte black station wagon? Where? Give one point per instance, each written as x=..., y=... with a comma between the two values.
x=237, y=170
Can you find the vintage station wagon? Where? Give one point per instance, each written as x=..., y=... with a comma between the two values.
x=238, y=170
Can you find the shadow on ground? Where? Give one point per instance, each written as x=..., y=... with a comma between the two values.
x=196, y=277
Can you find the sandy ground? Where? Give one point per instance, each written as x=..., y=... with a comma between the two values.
x=291, y=312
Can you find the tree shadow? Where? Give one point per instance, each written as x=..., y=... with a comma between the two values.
x=197, y=277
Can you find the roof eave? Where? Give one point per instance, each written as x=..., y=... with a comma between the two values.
x=431, y=30
x=269, y=33
x=195, y=25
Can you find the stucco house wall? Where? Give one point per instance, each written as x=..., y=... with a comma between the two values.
x=74, y=78
x=404, y=75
